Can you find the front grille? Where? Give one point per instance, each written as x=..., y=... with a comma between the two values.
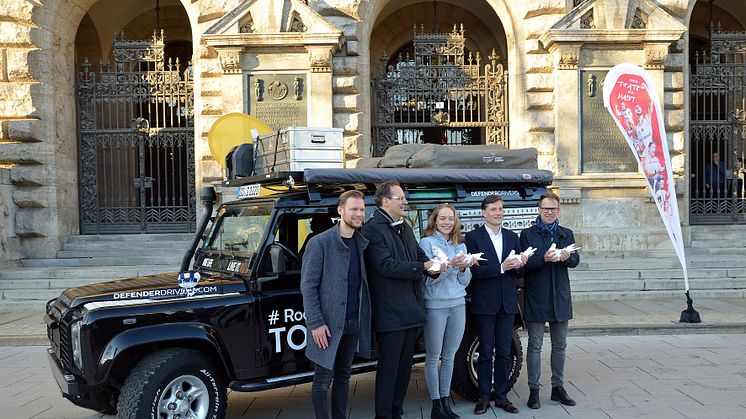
x=64, y=350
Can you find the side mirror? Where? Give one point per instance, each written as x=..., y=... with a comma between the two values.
x=277, y=257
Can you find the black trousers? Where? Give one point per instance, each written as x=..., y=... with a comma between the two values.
x=395, y=352
x=322, y=377
x=495, y=335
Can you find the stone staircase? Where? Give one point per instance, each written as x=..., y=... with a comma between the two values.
x=716, y=262
x=88, y=259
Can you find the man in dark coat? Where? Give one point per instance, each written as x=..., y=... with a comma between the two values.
x=494, y=302
x=547, y=296
x=336, y=301
x=395, y=265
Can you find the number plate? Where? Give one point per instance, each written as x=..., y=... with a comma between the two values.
x=248, y=191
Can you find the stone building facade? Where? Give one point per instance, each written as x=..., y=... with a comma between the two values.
x=325, y=53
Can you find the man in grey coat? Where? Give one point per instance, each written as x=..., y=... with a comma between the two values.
x=336, y=300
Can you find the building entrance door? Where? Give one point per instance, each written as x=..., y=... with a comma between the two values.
x=439, y=94
x=717, y=130
x=136, y=142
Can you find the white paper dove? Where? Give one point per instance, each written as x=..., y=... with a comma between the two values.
x=529, y=252
x=572, y=248
x=439, y=259
x=553, y=248
x=469, y=257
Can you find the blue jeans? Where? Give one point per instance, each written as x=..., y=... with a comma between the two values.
x=558, y=335
x=322, y=377
x=443, y=333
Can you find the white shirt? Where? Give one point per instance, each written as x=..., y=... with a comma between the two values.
x=497, y=243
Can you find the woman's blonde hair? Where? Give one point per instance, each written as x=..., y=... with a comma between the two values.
x=455, y=236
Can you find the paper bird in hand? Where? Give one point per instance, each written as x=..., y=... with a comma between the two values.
x=529, y=252
x=439, y=259
x=572, y=248
x=469, y=257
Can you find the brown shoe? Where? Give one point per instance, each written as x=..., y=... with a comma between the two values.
x=506, y=405
x=481, y=407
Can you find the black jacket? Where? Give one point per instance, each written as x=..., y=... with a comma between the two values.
x=395, y=267
x=489, y=288
x=546, y=286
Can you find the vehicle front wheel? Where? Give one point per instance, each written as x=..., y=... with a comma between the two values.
x=464, y=381
x=173, y=383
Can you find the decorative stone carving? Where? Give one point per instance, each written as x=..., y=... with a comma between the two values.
x=230, y=61
x=246, y=24
x=640, y=20
x=587, y=22
x=297, y=25
x=569, y=57
x=321, y=60
x=655, y=56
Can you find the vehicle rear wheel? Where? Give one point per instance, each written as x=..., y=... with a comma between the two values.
x=464, y=381
x=173, y=383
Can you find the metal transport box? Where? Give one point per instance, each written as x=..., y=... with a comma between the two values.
x=298, y=148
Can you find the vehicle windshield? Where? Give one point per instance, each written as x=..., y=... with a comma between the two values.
x=238, y=230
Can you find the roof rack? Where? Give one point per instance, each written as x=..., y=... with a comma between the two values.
x=402, y=175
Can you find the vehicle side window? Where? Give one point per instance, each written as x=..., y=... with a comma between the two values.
x=284, y=255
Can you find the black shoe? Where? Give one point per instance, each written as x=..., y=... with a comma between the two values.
x=446, y=402
x=481, y=407
x=560, y=395
x=438, y=412
x=506, y=405
x=533, y=400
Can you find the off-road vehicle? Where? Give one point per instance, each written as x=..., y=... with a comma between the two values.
x=169, y=345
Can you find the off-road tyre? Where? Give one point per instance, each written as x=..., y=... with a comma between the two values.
x=155, y=377
x=464, y=382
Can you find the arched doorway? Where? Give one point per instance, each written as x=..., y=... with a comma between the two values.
x=136, y=119
x=717, y=60
x=439, y=76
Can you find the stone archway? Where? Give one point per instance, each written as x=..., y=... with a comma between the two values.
x=716, y=105
x=39, y=121
x=497, y=10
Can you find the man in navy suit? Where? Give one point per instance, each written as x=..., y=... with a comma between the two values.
x=494, y=302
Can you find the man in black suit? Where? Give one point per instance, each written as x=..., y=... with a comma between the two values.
x=395, y=265
x=494, y=302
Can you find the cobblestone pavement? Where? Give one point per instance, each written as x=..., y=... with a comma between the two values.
x=654, y=376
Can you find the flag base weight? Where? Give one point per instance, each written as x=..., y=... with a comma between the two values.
x=690, y=315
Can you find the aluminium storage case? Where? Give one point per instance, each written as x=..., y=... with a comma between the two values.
x=298, y=148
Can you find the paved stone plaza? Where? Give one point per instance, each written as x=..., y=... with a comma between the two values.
x=657, y=376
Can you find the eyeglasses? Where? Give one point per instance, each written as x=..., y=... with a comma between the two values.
x=549, y=209
x=398, y=198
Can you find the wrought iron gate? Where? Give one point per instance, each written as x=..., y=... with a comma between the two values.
x=439, y=95
x=136, y=142
x=717, y=130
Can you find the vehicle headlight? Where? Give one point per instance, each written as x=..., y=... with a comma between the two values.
x=75, y=339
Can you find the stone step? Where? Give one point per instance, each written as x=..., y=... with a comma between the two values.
x=164, y=237
x=172, y=254
x=104, y=261
x=87, y=273
x=38, y=295
x=717, y=243
x=693, y=262
x=630, y=285
x=649, y=295
x=89, y=246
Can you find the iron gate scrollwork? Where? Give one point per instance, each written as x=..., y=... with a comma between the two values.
x=136, y=142
x=718, y=131
x=439, y=95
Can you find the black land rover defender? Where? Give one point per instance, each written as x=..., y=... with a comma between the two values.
x=168, y=345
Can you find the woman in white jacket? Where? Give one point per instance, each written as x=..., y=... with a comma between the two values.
x=444, y=304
